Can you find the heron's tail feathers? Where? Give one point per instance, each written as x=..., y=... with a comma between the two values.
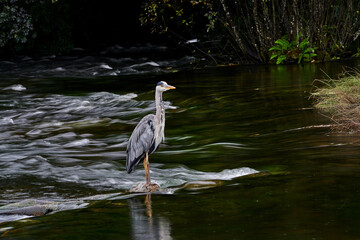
x=132, y=163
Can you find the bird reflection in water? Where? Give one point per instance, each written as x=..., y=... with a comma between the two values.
x=148, y=206
x=144, y=224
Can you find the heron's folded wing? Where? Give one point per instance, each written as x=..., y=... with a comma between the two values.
x=141, y=140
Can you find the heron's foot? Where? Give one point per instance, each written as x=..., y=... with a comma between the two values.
x=145, y=187
x=152, y=187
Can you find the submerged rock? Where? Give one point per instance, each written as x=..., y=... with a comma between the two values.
x=144, y=188
x=34, y=207
x=30, y=207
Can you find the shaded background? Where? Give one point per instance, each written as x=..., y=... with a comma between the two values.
x=61, y=26
x=97, y=23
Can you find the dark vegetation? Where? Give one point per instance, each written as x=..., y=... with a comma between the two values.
x=223, y=31
x=260, y=30
x=39, y=27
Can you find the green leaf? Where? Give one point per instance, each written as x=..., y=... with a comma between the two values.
x=283, y=43
x=280, y=59
x=273, y=56
x=293, y=43
x=285, y=37
x=306, y=56
x=304, y=43
x=300, y=57
x=276, y=47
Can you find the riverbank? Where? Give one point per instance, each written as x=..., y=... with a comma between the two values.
x=340, y=100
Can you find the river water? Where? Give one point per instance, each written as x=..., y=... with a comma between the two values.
x=245, y=157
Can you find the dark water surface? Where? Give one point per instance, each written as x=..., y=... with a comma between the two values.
x=63, y=140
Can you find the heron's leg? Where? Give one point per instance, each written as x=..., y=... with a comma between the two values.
x=147, y=170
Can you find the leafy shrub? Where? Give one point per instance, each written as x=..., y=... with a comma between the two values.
x=290, y=51
x=15, y=23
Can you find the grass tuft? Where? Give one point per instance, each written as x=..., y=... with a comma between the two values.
x=340, y=100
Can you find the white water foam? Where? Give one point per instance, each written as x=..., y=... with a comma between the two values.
x=107, y=176
x=11, y=218
x=16, y=87
x=6, y=120
x=105, y=66
x=78, y=143
x=181, y=175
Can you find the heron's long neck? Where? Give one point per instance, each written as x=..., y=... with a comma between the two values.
x=160, y=112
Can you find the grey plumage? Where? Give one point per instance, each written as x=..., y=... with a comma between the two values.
x=140, y=142
x=148, y=133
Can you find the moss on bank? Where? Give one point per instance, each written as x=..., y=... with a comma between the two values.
x=340, y=100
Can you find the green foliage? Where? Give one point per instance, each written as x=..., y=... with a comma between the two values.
x=357, y=54
x=290, y=51
x=307, y=53
x=281, y=48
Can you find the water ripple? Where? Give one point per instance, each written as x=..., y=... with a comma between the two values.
x=87, y=66
x=77, y=143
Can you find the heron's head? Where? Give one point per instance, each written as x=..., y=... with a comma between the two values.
x=163, y=86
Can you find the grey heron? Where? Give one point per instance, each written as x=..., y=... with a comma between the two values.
x=147, y=135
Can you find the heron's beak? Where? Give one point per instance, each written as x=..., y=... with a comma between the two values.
x=170, y=87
